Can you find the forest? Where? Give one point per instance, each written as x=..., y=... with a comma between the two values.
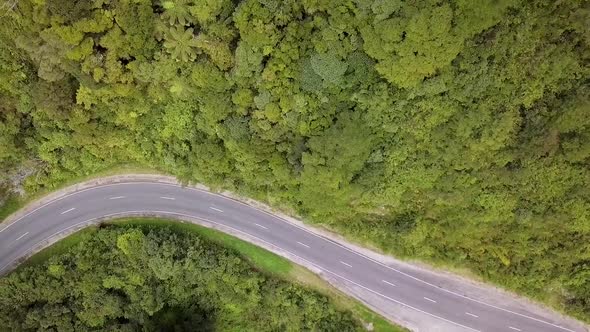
x=159, y=279
x=455, y=132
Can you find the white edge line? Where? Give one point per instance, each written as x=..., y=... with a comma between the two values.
x=20, y=237
x=472, y=315
x=514, y=328
x=260, y=226
x=215, y=209
x=389, y=283
x=168, y=198
x=428, y=299
x=259, y=239
x=303, y=244
x=68, y=210
x=290, y=223
x=117, y=197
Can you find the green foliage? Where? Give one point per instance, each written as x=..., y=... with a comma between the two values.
x=180, y=43
x=453, y=131
x=153, y=279
x=177, y=12
x=329, y=68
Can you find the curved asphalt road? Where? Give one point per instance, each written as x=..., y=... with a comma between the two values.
x=466, y=314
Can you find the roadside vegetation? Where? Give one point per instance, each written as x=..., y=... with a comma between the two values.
x=449, y=131
x=154, y=275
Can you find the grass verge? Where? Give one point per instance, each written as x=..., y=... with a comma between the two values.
x=11, y=205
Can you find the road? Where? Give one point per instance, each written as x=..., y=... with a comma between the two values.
x=390, y=283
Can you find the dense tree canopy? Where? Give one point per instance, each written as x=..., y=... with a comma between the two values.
x=447, y=130
x=135, y=279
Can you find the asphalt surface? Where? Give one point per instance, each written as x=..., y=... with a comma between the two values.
x=391, y=283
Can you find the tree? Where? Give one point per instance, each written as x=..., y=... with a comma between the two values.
x=180, y=43
x=177, y=11
x=329, y=68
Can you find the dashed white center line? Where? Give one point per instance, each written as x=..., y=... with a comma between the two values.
x=20, y=237
x=260, y=226
x=472, y=315
x=514, y=328
x=69, y=210
x=431, y=300
x=169, y=198
x=117, y=197
x=215, y=209
x=302, y=244
x=346, y=264
x=389, y=283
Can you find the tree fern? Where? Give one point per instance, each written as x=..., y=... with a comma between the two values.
x=180, y=43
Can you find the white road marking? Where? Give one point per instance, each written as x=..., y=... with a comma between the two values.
x=189, y=217
x=161, y=183
x=346, y=264
x=216, y=209
x=472, y=315
x=392, y=269
x=168, y=198
x=389, y=283
x=117, y=197
x=20, y=237
x=431, y=300
x=303, y=244
x=69, y=210
x=514, y=328
x=260, y=226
